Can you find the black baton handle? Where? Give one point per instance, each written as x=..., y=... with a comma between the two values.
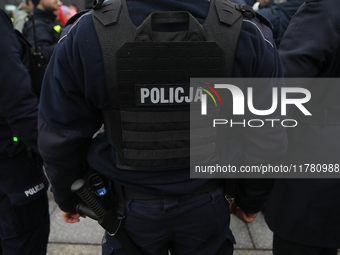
x=105, y=217
x=88, y=197
x=83, y=209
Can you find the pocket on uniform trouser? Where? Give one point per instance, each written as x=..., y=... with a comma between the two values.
x=203, y=226
x=24, y=209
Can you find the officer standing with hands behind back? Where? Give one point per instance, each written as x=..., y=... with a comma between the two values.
x=24, y=216
x=93, y=77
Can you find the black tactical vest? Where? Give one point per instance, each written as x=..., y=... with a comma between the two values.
x=148, y=81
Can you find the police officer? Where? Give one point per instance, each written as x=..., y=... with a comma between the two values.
x=46, y=30
x=165, y=209
x=303, y=213
x=24, y=217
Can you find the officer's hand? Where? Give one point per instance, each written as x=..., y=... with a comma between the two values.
x=247, y=217
x=71, y=217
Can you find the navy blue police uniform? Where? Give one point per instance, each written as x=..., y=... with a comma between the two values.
x=279, y=15
x=46, y=35
x=303, y=213
x=24, y=217
x=73, y=97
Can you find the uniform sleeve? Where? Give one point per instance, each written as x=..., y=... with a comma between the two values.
x=69, y=112
x=265, y=144
x=18, y=105
x=302, y=54
x=257, y=57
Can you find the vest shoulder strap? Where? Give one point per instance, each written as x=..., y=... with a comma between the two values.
x=108, y=13
x=227, y=12
x=114, y=28
x=224, y=29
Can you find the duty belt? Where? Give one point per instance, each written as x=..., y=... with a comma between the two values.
x=142, y=196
